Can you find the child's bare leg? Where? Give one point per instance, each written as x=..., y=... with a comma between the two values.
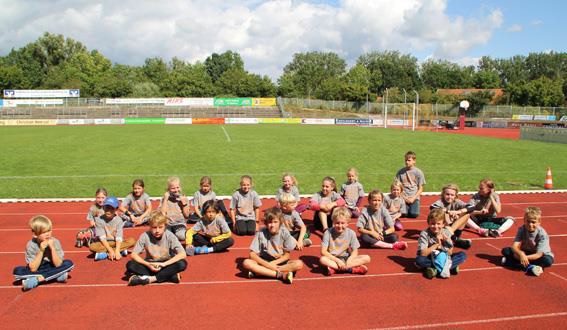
x=292, y=266
x=325, y=261
x=359, y=260
x=460, y=223
x=323, y=219
x=475, y=227
x=258, y=269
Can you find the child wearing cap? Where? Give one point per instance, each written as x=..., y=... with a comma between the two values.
x=109, y=233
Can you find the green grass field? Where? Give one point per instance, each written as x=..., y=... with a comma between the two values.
x=72, y=161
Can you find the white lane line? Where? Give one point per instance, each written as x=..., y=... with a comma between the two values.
x=492, y=246
x=559, y=276
x=479, y=321
x=226, y=134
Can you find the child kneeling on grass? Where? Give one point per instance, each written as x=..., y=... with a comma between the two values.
x=44, y=257
x=160, y=265
x=531, y=251
x=339, y=248
x=435, y=248
x=211, y=232
x=270, y=250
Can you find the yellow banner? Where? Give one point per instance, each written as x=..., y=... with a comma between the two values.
x=279, y=120
x=264, y=102
x=28, y=122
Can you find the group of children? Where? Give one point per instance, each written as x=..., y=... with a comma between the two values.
x=284, y=229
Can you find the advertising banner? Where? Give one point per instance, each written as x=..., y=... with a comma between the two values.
x=135, y=101
x=544, y=117
x=279, y=120
x=142, y=121
x=201, y=121
x=233, y=102
x=188, y=101
x=16, y=102
x=39, y=93
x=241, y=120
x=109, y=121
x=522, y=117
x=318, y=121
x=397, y=122
x=264, y=102
x=28, y=122
x=352, y=121
x=178, y=121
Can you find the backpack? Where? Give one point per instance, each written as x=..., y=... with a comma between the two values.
x=85, y=237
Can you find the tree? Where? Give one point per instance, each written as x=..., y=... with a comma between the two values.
x=189, y=81
x=391, y=69
x=486, y=79
x=145, y=89
x=357, y=84
x=445, y=74
x=155, y=70
x=217, y=64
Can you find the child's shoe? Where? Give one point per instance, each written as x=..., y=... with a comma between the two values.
x=430, y=273
x=494, y=233
x=251, y=274
x=138, y=280
x=400, y=245
x=503, y=261
x=190, y=250
x=534, y=270
x=359, y=270
x=124, y=253
x=329, y=271
x=454, y=271
x=63, y=277
x=287, y=278
x=463, y=243
x=175, y=278
x=307, y=242
x=483, y=232
x=398, y=225
x=100, y=256
x=202, y=250
x=30, y=283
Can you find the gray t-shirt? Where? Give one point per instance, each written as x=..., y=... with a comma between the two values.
x=320, y=199
x=245, y=204
x=293, y=190
x=292, y=221
x=411, y=179
x=340, y=245
x=199, y=198
x=535, y=242
x=158, y=250
x=351, y=192
x=478, y=202
x=110, y=230
x=174, y=213
x=394, y=205
x=269, y=246
x=137, y=205
x=378, y=220
x=94, y=211
x=213, y=228
x=455, y=206
x=32, y=249
x=427, y=238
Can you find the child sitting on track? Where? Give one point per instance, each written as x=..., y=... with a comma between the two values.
x=206, y=193
x=531, y=251
x=211, y=233
x=292, y=220
x=165, y=257
x=395, y=204
x=44, y=257
x=109, y=230
x=245, y=208
x=455, y=212
x=289, y=186
x=412, y=179
x=483, y=208
x=323, y=203
x=270, y=250
x=339, y=248
x=86, y=236
x=435, y=248
x=175, y=206
x=136, y=207
x=375, y=225
x=352, y=192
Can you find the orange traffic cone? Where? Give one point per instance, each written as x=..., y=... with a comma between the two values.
x=548, y=180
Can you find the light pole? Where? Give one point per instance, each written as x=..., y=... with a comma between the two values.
x=386, y=111
x=415, y=110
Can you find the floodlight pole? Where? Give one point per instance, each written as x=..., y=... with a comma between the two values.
x=386, y=111
x=415, y=110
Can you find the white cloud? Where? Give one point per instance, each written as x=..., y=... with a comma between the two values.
x=536, y=22
x=265, y=33
x=515, y=28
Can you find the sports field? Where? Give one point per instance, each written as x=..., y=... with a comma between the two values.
x=72, y=161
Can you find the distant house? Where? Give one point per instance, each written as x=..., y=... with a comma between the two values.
x=498, y=92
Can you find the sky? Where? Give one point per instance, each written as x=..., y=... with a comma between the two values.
x=267, y=33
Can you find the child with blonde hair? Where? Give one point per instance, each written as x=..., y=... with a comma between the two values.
x=339, y=248
x=175, y=206
x=483, y=209
x=245, y=208
x=164, y=256
x=395, y=204
x=137, y=206
x=289, y=186
x=85, y=236
x=44, y=257
x=292, y=220
x=455, y=212
x=323, y=203
x=375, y=225
x=531, y=251
x=271, y=248
x=353, y=192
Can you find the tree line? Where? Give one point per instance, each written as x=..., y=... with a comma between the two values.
x=56, y=62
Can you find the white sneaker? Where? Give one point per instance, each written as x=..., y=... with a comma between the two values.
x=503, y=261
x=537, y=270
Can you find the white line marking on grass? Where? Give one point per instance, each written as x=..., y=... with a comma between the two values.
x=492, y=246
x=559, y=276
x=321, y=278
x=226, y=134
x=480, y=321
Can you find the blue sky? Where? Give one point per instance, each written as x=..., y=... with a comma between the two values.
x=267, y=33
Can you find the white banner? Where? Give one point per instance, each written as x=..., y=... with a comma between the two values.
x=14, y=103
x=109, y=121
x=397, y=122
x=318, y=121
x=135, y=101
x=187, y=101
x=178, y=121
x=241, y=120
x=39, y=93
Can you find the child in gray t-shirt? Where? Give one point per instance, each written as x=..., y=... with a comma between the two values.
x=531, y=251
x=483, y=208
x=352, y=192
x=413, y=180
x=176, y=208
x=206, y=193
x=245, y=208
x=211, y=233
x=271, y=248
x=136, y=207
